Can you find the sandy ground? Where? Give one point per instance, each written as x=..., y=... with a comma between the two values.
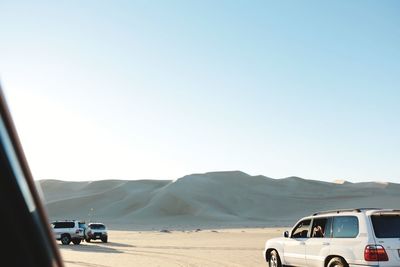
x=226, y=247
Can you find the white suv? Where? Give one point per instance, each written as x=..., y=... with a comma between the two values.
x=69, y=230
x=341, y=238
x=96, y=231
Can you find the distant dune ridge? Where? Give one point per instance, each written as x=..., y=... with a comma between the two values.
x=215, y=199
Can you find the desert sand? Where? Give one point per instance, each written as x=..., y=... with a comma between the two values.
x=220, y=247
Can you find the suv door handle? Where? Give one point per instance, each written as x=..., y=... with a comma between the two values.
x=325, y=243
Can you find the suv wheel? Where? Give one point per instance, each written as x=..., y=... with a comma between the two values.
x=65, y=239
x=76, y=241
x=104, y=239
x=337, y=262
x=274, y=260
x=87, y=240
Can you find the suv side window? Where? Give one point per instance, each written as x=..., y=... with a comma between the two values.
x=345, y=227
x=58, y=225
x=301, y=230
x=321, y=228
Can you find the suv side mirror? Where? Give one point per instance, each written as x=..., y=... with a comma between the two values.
x=286, y=234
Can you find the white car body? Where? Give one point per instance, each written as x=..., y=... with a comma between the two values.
x=96, y=231
x=73, y=229
x=340, y=240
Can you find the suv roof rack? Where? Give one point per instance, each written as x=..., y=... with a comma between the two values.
x=386, y=211
x=79, y=221
x=344, y=210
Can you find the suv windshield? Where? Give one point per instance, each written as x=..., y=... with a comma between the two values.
x=386, y=226
x=97, y=226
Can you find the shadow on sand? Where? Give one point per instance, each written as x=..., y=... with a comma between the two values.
x=110, y=244
x=115, y=244
x=101, y=248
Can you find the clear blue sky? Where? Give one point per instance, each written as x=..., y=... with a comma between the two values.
x=160, y=89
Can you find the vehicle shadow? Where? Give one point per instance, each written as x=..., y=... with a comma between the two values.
x=116, y=244
x=110, y=244
x=90, y=248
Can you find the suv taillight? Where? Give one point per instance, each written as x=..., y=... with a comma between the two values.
x=375, y=253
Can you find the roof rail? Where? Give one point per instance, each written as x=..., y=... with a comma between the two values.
x=386, y=211
x=344, y=210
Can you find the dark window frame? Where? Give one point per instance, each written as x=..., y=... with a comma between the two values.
x=21, y=204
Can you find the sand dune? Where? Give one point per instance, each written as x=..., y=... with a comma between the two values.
x=216, y=199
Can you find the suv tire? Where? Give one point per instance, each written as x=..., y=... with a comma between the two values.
x=87, y=240
x=76, y=241
x=274, y=260
x=65, y=239
x=337, y=262
x=104, y=239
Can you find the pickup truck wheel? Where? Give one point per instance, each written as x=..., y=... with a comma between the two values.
x=337, y=262
x=104, y=239
x=65, y=239
x=76, y=241
x=274, y=260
